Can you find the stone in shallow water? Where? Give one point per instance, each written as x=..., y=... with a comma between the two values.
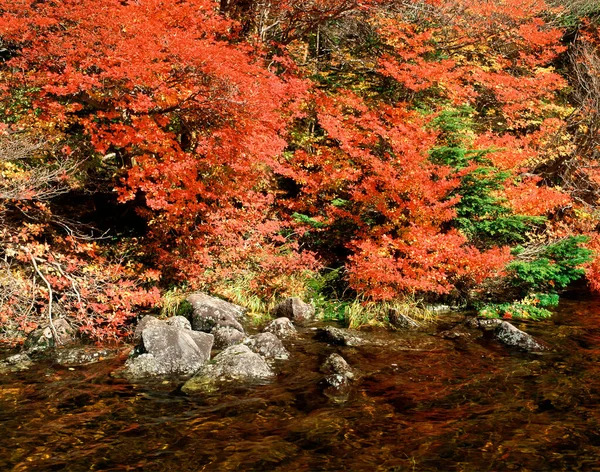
x=338, y=371
x=341, y=337
x=268, y=346
x=338, y=379
x=15, y=363
x=402, y=321
x=514, y=337
x=236, y=363
x=281, y=327
x=169, y=350
x=82, y=355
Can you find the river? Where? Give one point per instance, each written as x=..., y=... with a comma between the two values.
x=422, y=403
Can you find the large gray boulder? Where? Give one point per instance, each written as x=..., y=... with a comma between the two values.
x=210, y=313
x=295, y=309
x=514, y=337
x=268, y=346
x=180, y=322
x=234, y=364
x=281, y=327
x=144, y=323
x=169, y=350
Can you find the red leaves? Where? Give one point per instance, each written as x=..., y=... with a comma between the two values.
x=468, y=50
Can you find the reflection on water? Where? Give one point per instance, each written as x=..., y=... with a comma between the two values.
x=422, y=403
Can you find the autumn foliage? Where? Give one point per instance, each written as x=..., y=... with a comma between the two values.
x=412, y=144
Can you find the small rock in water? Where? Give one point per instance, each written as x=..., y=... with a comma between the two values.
x=400, y=320
x=458, y=332
x=268, y=346
x=281, y=327
x=82, y=355
x=339, y=336
x=488, y=324
x=15, y=363
x=295, y=309
x=514, y=337
x=339, y=377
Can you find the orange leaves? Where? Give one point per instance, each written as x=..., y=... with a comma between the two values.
x=468, y=50
x=423, y=260
x=532, y=199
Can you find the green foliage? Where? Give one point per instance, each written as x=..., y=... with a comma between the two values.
x=531, y=307
x=483, y=217
x=480, y=214
x=456, y=156
x=555, y=267
x=538, y=275
x=307, y=220
x=454, y=125
x=515, y=310
x=322, y=291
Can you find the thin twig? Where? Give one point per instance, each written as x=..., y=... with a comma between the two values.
x=50, y=296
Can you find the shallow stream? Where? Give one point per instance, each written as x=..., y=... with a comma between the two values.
x=422, y=403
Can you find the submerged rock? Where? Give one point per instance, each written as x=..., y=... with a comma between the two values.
x=268, y=346
x=459, y=332
x=341, y=337
x=210, y=313
x=295, y=309
x=281, y=327
x=169, y=350
x=236, y=363
x=514, y=337
x=15, y=363
x=83, y=355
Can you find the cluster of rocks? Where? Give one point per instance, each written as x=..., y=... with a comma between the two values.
x=179, y=347
x=59, y=342
x=213, y=347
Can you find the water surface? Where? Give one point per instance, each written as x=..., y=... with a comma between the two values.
x=422, y=403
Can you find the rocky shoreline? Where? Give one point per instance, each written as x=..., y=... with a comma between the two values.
x=214, y=347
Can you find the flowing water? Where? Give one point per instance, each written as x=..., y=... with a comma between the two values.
x=422, y=403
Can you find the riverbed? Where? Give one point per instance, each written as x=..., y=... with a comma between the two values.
x=422, y=401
